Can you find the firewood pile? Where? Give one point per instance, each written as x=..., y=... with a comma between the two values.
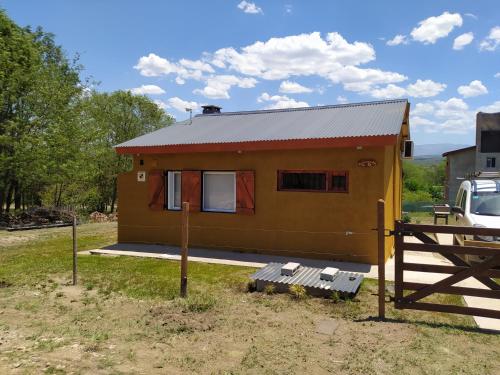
x=99, y=217
x=37, y=216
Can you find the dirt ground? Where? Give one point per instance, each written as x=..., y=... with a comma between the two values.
x=123, y=318
x=56, y=328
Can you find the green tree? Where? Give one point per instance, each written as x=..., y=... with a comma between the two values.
x=111, y=119
x=38, y=88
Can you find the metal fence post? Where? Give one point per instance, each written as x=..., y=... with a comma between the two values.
x=74, y=250
x=184, y=247
x=381, y=257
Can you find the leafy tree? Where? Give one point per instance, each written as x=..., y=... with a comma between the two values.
x=38, y=85
x=112, y=119
x=56, y=137
x=423, y=183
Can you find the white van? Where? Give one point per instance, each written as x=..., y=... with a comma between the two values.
x=477, y=205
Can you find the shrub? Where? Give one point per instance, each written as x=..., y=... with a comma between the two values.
x=251, y=286
x=406, y=218
x=298, y=291
x=335, y=297
x=270, y=289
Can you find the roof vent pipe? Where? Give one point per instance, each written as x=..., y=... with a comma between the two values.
x=210, y=109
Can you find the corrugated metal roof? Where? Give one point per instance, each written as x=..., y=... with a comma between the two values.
x=309, y=277
x=335, y=121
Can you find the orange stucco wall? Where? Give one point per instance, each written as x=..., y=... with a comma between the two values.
x=306, y=224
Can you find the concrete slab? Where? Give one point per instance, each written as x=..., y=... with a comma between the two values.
x=222, y=256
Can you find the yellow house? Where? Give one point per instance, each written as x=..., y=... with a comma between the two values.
x=298, y=182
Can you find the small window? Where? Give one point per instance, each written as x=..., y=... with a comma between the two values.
x=339, y=182
x=491, y=162
x=490, y=141
x=219, y=191
x=313, y=181
x=320, y=181
x=174, y=190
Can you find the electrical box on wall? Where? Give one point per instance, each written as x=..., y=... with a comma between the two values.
x=141, y=176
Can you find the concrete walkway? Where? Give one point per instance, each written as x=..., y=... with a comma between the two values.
x=260, y=260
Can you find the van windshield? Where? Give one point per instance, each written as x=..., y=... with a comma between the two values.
x=485, y=203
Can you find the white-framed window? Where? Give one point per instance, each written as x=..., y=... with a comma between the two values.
x=219, y=191
x=174, y=190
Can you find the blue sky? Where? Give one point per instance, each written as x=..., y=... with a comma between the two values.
x=444, y=56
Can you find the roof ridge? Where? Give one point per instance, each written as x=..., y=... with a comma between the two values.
x=263, y=111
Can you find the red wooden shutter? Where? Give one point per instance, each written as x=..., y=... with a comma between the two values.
x=245, y=192
x=156, y=190
x=191, y=189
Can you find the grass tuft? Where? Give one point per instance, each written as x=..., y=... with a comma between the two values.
x=298, y=291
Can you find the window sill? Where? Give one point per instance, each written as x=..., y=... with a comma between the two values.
x=218, y=211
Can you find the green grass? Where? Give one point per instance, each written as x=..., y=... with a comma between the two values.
x=33, y=263
x=126, y=312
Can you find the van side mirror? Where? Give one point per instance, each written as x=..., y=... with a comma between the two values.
x=457, y=210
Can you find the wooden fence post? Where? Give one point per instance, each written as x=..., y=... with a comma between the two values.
x=74, y=250
x=381, y=257
x=184, y=247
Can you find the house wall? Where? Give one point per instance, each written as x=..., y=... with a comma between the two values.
x=458, y=164
x=486, y=121
x=305, y=224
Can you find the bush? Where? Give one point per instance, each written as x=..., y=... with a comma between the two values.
x=406, y=218
x=270, y=289
x=298, y=291
x=335, y=297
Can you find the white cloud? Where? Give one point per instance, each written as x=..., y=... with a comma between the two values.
x=288, y=8
x=196, y=65
x=331, y=57
x=497, y=75
x=217, y=87
x=294, y=55
x=161, y=104
x=388, y=92
x=280, y=101
x=289, y=87
x=425, y=88
x=492, y=108
x=473, y=16
x=362, y=80
x=451, y=116
x=155, y=66
x=181, y=105
x=419, y=89
x=462, y=40
x=397, y=40
x=423, y=109
x=434, y=28
x=147, y=89
x=474, y=88
x=249, y=7
x=342, y=99
x=492, y=41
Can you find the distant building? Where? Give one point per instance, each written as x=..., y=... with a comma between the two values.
x=485, y=156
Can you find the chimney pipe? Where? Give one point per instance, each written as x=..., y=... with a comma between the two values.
x=210, y=109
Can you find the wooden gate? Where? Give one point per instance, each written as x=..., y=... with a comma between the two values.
x=484, y=268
